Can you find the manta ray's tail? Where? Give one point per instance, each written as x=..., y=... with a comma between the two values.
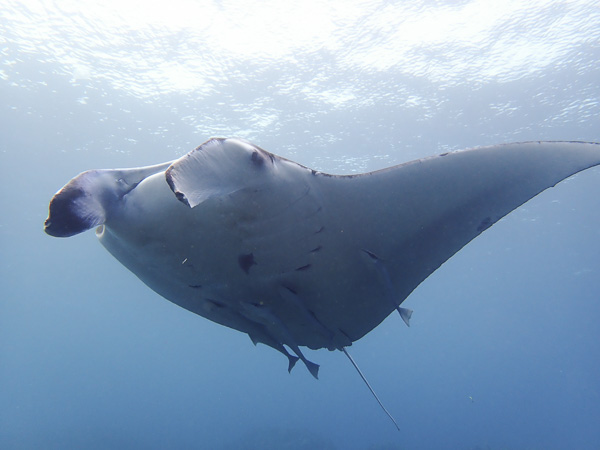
x=369, y=386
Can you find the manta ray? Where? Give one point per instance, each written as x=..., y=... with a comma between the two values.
x=295, y=257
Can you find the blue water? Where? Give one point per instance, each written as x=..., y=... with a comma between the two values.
x=503, y=351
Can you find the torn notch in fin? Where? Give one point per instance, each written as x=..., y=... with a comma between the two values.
x=216, y=168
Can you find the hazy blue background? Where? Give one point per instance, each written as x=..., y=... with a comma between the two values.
x=91, y=358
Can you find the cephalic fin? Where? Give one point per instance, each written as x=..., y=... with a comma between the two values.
x=83, y=202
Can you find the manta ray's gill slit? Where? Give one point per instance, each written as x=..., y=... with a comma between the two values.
x=215, y=303
x=290, y=289
x=276, y=329
x=280, y=221
x=373, y=256
x=306, y=315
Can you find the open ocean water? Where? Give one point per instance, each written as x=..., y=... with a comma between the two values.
x=503, y=351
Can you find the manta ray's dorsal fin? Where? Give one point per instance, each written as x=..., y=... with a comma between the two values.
x=369, y=386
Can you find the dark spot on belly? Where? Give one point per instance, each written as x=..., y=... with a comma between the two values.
x=316, y=249
x=485, y=224
x=195, y=286
x=246, y=261
x=304, y=267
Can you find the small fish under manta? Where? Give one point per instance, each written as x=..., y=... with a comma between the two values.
x=295, y=257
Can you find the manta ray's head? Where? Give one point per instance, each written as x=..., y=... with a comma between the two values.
x=216, y=168
x=84, y=202
x=87, y=200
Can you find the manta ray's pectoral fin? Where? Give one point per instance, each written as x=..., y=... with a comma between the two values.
x=405, y=313
x=217, y=168
x=369, y=386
